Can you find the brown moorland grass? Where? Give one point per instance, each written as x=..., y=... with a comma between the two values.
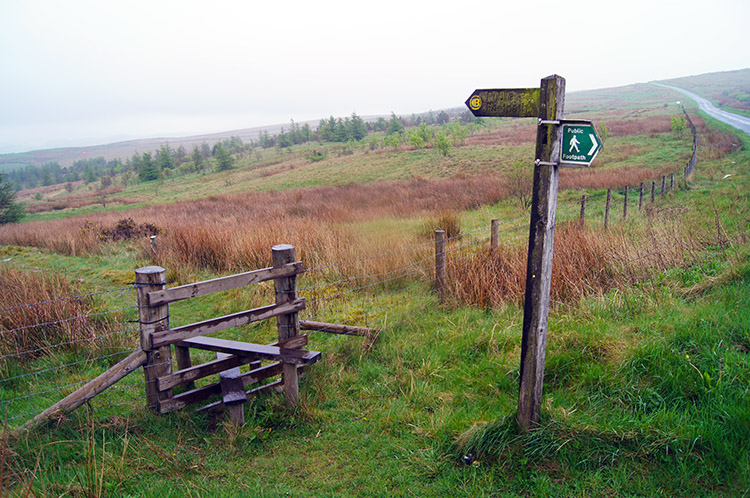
x=27, y=332
x=586, y=262
x=234, y=232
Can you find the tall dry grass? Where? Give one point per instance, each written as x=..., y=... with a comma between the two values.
x=586, y=262
x=232, y=233
x=35, y=321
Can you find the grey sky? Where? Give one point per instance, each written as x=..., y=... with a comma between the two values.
x=85, y=72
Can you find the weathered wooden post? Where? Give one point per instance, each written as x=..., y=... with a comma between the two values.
x=288, y=325
x=581, y=146
x=440, y=278
x=653, y=190
x=154, y=250
x=153, y=319
x=625, y=203
x=541, y=244
x=671, y=182
x=640, y=199
x=606, y=208
x=494, y=234
x=663, y=185
x=582, y=218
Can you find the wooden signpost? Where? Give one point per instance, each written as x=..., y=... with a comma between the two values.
x=545, y=103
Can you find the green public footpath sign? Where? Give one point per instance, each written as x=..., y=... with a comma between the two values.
x=580, y=143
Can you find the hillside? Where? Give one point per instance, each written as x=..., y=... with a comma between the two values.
x=729, y=89
x=647, y=366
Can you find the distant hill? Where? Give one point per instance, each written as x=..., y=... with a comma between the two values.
x=68, y=155
x=728, y=89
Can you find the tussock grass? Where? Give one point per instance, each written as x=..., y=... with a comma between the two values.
x=586, y=261
x=28, y=332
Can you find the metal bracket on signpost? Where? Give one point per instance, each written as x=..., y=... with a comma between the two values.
x=547, y=122
x=539, y=162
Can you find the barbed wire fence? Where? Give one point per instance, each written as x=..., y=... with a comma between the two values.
x=38, y=373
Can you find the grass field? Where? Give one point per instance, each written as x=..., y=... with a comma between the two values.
x=647, y=361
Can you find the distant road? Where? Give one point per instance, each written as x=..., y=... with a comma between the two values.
x=735, y=120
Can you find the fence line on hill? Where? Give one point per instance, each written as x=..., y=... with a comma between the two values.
x=25, y=393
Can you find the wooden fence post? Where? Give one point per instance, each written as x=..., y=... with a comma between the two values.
x=653, y=190
x=606, y=208
x=440, y=278
x=625, y=203
x=494, y=234
x=663, y=185
x=288, y=325
x=671, y=182
x=154, y=250
x=540, y=254
x=153, y=319
x=640, y=199
x=583, y=210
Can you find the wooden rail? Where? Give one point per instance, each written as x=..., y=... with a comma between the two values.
x=207, y=287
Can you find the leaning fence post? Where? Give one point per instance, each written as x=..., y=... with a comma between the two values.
x=606, y=209
x=625, y=203
x=288, y=325
x=640, y=199
x=153, y=319
x=494, y=234
x=440, y=264
x=583, y=210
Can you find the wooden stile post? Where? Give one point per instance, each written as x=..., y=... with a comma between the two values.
x=625, y=203
x=494, y=234
x=541, y=243
x=153, y=319
x=640, y=199
x=653, y=190
x=606, y=208
x=663, y=185
x=440, y=277
x=288, y=325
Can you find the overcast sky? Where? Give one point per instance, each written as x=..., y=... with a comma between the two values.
x=80, y=72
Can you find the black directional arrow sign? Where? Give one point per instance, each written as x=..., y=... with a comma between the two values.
x=509, y=102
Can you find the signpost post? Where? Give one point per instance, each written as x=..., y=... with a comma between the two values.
x=558, y=143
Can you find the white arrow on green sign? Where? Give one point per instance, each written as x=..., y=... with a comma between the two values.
x=580, y=143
